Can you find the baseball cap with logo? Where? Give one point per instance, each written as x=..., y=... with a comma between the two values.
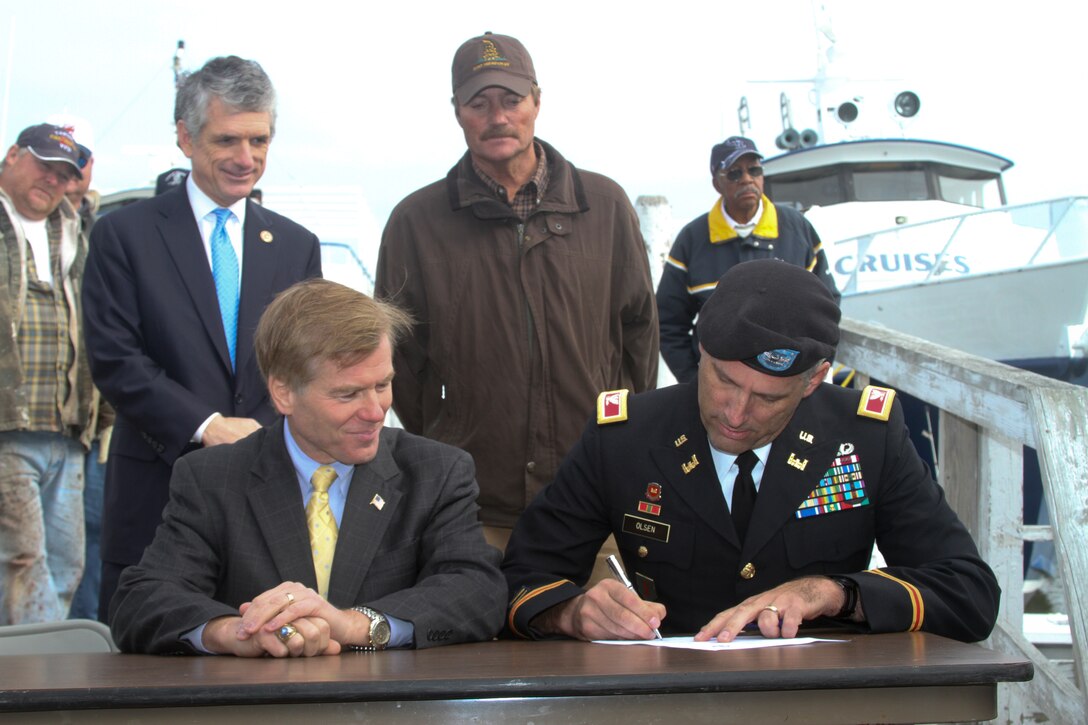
x=725, y=154
x=491, y=60
x=81, y=132
x=51, y=143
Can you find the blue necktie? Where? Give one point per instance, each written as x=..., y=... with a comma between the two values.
x=225, y=271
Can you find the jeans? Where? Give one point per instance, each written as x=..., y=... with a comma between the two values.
x=41, y=525
x=85, y=603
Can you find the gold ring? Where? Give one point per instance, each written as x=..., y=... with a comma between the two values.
x=290, y=598
x=770, y=608
x=286, y=632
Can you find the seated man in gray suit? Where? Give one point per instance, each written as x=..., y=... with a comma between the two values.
x=323, y=532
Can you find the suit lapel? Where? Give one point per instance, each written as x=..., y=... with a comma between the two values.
x=786, y=485
x=281, y=516
x=260, y=251
x=183, y=242
x=694, y=480
x=371, y=505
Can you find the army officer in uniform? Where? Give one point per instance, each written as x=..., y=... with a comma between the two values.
x=754, y=495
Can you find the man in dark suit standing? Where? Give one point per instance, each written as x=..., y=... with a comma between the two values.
x=173, y=290
x=323, y=531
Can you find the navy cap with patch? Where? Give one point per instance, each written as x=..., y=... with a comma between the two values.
x=775, y=317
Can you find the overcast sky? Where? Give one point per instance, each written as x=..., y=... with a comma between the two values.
x=636, y=90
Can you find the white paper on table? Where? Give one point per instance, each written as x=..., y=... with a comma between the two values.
x=714, y=645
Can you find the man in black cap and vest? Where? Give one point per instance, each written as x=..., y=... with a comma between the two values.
x=742, y=225
x=754, y=495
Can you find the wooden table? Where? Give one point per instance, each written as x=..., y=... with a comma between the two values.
x=869, y=678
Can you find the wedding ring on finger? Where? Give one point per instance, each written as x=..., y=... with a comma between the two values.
x=290, y=598
x=286, y=632
x=770, y=608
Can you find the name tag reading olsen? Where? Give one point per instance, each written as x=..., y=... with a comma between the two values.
x=644, y=527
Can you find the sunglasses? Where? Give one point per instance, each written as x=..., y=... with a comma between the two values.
x=738, y=173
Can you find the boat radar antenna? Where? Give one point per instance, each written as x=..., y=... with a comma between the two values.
x=178, y=53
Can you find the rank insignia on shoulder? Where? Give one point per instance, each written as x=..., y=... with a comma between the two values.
x=876, y=402
x=612, y=407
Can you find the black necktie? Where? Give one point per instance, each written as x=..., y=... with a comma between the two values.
x=744, y=493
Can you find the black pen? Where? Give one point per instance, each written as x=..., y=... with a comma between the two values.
x=621, y=576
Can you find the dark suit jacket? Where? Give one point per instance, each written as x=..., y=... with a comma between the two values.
x=686, y=553
x=236, y=527
x=157, y=348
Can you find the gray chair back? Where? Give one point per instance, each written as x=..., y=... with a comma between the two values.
x=68, y=637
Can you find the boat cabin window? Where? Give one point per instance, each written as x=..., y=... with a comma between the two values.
x=885, y=181
x=896, y=184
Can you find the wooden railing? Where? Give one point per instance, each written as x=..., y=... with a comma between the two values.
x=989, y=411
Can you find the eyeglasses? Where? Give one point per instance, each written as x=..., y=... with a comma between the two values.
x=738, y=173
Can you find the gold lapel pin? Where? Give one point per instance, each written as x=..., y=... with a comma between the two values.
x=377, y=502
x=266, y=236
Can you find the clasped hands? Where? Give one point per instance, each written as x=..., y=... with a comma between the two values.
x=319, y=628
x=610, y=610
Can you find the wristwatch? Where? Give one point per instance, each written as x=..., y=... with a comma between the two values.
x=850, y=591
x=379, y=630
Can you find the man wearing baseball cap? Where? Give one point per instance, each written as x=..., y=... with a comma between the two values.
x=530, y=285
x=752, y=496
x=743, y=224
x=45, y=396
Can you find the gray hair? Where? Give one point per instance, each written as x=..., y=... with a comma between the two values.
x=239, y=83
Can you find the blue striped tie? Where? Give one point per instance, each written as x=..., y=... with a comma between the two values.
x=225, y=271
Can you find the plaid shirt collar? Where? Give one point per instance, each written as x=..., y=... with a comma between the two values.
x=528, y=196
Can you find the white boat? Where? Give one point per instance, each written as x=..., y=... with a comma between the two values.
x=921, y=239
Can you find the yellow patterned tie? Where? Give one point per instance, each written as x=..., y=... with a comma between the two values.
x=322, y=526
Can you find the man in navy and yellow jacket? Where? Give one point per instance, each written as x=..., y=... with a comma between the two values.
x=742, y=225
x=754, y=495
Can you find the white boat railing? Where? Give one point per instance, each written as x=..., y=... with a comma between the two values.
x=975, y=243
x=988, y=412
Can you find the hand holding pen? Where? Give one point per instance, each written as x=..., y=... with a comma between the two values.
x=621, y=576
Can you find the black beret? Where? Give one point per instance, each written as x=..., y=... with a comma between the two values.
x=773, y=316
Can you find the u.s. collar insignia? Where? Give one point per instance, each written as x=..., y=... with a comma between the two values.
x=266, y=236
x=680, y=441
x=690, y=465
x=876, y=402
x=653, y=491
x=612, y=407
x=806, y=437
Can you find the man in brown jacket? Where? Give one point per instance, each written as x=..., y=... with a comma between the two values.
x=530, y=286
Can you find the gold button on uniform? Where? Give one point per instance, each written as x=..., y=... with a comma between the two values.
x=643, y=552
x=748, y=571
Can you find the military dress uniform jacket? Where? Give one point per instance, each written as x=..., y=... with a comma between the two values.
x=651, y=480
x=707, y=248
